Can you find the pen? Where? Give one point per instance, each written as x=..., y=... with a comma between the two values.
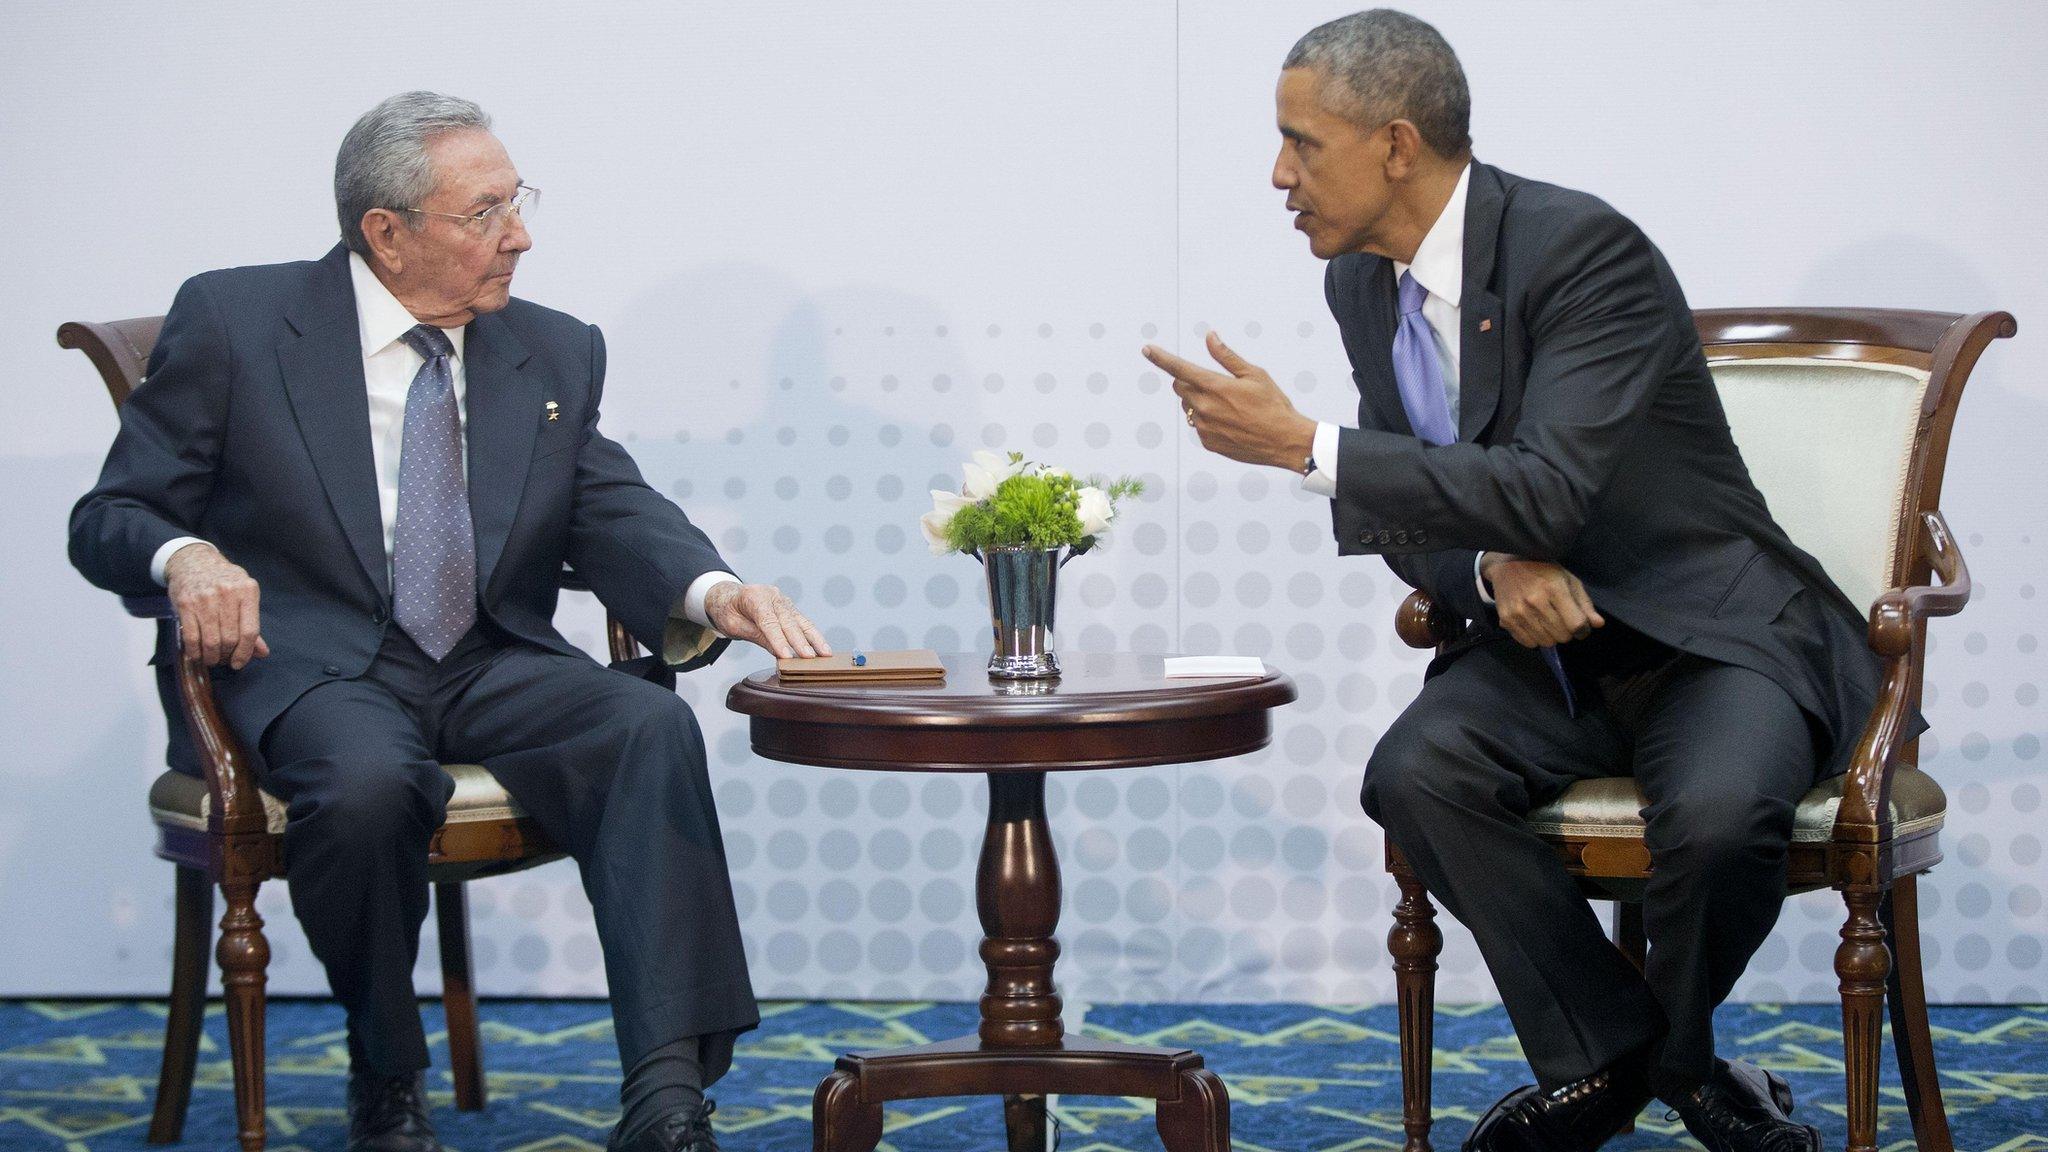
x=860, y=660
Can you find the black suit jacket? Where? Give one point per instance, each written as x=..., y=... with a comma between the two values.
x=252, y=432
x=1591, y=435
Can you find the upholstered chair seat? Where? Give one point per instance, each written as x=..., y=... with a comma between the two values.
x=1613, y=808
x=181, y=801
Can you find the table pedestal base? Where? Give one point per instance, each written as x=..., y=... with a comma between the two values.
x=1194, y=1107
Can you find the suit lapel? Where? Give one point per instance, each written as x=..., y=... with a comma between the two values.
x=1481, y=323
x=1380, y=399
x=503, y=407
x=322, y=367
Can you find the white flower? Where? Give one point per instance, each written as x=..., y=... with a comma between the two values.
x=935, y=522
x=985, y=473
x=1092, y=505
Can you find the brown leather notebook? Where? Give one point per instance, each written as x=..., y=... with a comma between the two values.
x=908, y=666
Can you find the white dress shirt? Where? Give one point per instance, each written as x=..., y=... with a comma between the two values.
x=389, y=365
x=1439, y=267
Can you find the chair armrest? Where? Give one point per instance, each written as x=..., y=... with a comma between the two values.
x=621, y=643
x=1898, y=634
x=1422, y=623
x=230, y=777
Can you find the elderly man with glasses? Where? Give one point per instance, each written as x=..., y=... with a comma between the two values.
x=401, y=458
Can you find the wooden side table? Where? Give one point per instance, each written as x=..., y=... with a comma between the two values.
x=1106, y=711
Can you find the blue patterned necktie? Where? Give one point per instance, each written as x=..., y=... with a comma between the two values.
x=1419, y=375
x=433, y=549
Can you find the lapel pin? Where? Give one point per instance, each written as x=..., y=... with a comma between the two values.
x=1486, y=325
x=554, y=410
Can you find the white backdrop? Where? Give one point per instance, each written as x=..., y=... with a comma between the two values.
x=837, y=247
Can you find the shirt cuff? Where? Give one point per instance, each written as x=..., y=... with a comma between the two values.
x=1323, y=481
x=1479, y=582
x=699, y=591
x=163, y=557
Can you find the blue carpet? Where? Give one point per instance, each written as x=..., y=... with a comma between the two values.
x=79, y=1077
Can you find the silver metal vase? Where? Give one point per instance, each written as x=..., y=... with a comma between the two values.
x=1021, y=585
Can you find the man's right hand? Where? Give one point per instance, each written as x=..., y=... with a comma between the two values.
x=216, y=602
x=1539, y=603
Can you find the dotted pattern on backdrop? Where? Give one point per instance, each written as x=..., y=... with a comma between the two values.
x=1251, y=879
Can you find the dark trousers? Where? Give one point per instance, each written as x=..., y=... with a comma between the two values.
x=1723, y=756
x=610, y=766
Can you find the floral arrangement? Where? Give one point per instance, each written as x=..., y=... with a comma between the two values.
x=1008, y=501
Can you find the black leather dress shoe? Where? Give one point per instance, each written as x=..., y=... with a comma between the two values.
x=389, y=1114
x=1578, y=1117
x=684, y=1130
x=1743, y=1108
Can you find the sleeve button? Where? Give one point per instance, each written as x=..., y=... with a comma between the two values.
x=1401, y=536
x=1421, y=537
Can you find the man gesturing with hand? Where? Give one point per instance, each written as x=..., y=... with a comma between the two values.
x=1540, y=448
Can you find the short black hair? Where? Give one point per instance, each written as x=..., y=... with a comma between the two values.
x=1382, y=65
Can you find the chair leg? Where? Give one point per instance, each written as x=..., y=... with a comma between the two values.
x=458, y=996
x=1911, y=1039
x=189, y=966
x=244, y=957
x=1024, y=1123
x=1415, y=942
x=1862, y=963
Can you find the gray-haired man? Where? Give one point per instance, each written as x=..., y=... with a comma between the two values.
x=1539, y=446
x=402, y=458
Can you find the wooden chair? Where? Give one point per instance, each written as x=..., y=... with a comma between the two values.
x=220, y=827
x=1843, y=417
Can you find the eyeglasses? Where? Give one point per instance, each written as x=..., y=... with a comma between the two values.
x=523, y=204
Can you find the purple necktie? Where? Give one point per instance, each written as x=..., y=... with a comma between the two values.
x=1419, y=375
x=1418, y=372
x=433, y=549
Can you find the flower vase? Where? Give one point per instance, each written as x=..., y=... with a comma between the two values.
x=1021, y=582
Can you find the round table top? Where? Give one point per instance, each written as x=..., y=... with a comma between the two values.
x=1107, y=709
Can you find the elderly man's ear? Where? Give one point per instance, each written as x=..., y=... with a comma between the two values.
x=380, y=231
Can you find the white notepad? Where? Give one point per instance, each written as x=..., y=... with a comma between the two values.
x=1215, y=666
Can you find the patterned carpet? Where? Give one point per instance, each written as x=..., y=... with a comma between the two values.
x=78, y=1077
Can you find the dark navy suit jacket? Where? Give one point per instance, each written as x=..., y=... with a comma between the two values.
x=1589, y=434
x=251, y=431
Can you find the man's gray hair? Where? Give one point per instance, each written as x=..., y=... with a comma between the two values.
x=1384, y=65
x=383, y=160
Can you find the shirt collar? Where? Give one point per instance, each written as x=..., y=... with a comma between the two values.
x=1439, y=264
x=379, y=316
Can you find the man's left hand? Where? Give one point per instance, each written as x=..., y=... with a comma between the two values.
x=1239, y=412
x=762, y=614
x=1539, y=603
